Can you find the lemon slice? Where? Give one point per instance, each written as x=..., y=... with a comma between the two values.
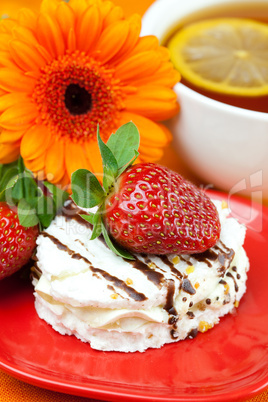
x=226, y=55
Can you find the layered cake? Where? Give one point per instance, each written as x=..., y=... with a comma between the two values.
x=82, y=288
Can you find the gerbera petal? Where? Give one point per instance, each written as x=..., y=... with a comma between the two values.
x=15, y=81
x=14, y=98
x=150, y=154
x=6, y=25
x=64, y=183
x=166, y=131
x=49, y=35
x=55, y=166
x=154, y=102
x=141, y=64
x=18, y=118
x=7, y=136
x=9, y=152
x=46, y=55
x=27, y=18
x=71, y=40
x=35, y=142
x=66, y=19
x=25, y=35
x=37, y=164
x=49, y=6
x=111, y=41
x=153, y=136
x=94, y=157
x=134, y=28
x=4, y=40
x=78, y=6
x=90, y=18
x=111, y=14
x=6, y=61
x=146, y=43
x=106, y=7
x=75, y=157
x=27, y=57
x=164, y=76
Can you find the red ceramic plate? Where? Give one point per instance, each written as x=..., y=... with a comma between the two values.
x=227, y=363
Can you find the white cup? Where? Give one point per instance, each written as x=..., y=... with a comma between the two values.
x=224, y=145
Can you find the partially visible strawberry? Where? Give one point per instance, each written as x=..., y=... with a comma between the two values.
x=16, y=241
x=35, y=206
x=146, y=208
x=154, y=210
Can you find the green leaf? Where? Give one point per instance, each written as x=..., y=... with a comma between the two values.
x=6, y=175
x=27, y=214
x=128, y=164
x=86, y=189
x=59, y=196
x=25, y=187
x=19, y=187
x=124, y=144
x=45, y=209
x=30, y=186
x=18, y=190
x=6, y=193
x=108, y=178
x=21, y=165
x=97, y=229
x=7, y=167
x=115, y=247
x=110, y=166
x=89, y=217
x=95, y=220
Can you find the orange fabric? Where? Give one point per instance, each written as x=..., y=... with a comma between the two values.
x=11, y=389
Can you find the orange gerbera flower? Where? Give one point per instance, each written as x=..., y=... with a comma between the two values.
x=71, y=67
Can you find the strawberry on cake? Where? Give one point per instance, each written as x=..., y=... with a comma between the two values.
x=154, y=262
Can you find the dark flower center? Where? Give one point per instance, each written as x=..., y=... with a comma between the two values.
x=77, y=100
x=74, y=94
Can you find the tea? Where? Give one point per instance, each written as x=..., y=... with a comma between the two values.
x=256, y=11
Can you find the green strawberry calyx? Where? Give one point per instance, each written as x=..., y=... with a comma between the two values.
x=120, y=152
x=37, y=202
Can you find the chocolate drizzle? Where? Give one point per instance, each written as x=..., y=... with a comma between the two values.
x=153, y=276
x=218, y=253
x=137, y=296
x=72, y=212
x=169, y=306
x=187, y=286
x=175, y=271
x=35, y=272
x=225, y=257
x=235, y=284
x=206, y=257
x=174, y=334
x=188, y=261
x=192, y=334
x=190, y=314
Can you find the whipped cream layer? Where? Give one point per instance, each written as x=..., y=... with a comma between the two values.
x=82, y=288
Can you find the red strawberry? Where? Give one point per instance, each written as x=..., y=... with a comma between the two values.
x=16, y=242
x=154, y=210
